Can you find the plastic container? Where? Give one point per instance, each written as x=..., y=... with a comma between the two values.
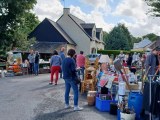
x=135, y=101
x=103, y=105
x=118, y=114
x=113, y=108
x=91, y=98
x=125, y=116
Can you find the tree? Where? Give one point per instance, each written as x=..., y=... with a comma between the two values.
x=136, y=39
x=155, y=7
x=105, y=37
x=14, y=15
x=151, y=36
x=119, y=38
x=20, y=35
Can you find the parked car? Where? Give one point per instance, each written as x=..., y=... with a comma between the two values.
x=92, y=57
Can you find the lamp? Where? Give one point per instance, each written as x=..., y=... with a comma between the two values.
x=104, y=59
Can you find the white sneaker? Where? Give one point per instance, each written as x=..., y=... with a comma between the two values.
x=78, y=108
x=67, y=106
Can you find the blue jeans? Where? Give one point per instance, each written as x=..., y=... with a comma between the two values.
x=81, y=72
x=68, y=84
x=31, y=68
x=36, y=68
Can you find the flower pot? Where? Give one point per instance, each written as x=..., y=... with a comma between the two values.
x=125, y=116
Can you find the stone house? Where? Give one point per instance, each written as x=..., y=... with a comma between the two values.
x=68, y=31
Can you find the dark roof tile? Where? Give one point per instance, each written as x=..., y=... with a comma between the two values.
x=87, y=25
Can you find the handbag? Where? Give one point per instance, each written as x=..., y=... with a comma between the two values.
x=77, y=79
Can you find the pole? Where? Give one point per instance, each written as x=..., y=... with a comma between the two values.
x=150, y=100
x=64, y=3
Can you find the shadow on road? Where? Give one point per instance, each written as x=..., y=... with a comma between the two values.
x=43, y=87
x=48, y=87
x=57, y=115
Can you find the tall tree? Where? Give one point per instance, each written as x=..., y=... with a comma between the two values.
x=155, y=7
x=12, y=15
x=20, y=36
x=119, y=39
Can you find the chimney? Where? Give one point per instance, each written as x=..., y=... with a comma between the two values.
x=66, y=11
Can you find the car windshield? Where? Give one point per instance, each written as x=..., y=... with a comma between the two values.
x=94, y=56
x=89, y=56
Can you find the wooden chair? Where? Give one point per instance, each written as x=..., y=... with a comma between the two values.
x=87, y=62
x=89, y=81
x=25, y=70
x=96, y=63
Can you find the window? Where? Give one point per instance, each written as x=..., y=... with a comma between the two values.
x=101, y=38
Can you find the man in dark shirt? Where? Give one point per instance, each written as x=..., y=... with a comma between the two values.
x=36, y=63
x=151, y=63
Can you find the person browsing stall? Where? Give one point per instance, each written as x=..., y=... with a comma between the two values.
x=55, y=63
x=69, y=76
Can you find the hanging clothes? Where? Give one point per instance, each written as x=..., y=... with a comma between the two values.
x=155, y=98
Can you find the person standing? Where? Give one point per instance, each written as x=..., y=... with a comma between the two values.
x=31, y=58
x=62, y=55
x=134, y=57
x=69, y=75
x=36, y=63
x=151, y=63
x=129, y=61
x=121, y=56
x=80, y=61
x=55, y=63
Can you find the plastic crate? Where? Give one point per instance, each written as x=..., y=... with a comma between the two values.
x=103, y=105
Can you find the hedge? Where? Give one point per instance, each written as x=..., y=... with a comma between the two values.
x=117, y=52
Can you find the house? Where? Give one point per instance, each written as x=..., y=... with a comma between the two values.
x=155, y=44
x=142, y=45
x=68, y=31
x=145, y=45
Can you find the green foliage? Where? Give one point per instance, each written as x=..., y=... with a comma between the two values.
x=155, y=7
x=16, y=21
x=116, y=52
x=136, y=39
x=105, y=37
x=28, y=23
x=151, y=36
x=119, y=38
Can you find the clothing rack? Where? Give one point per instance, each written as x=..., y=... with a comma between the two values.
x=150, y=95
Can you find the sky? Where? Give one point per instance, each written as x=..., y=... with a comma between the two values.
x=104, y=13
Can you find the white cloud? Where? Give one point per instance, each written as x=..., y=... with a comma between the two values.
x=49, y=8
x=96, y=3
x=141, y=22
x=94, y=17
x=53, y=9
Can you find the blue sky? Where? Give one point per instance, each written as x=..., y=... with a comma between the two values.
x=105, y=13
